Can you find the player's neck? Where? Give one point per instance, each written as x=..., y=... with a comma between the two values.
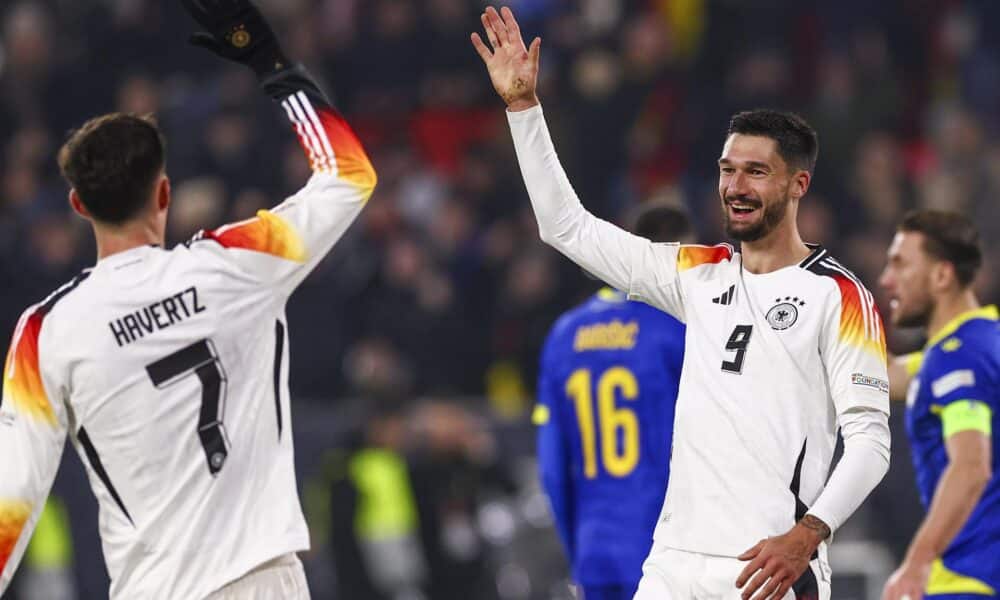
x=781, y=248
x=114, y=240
x=949, y=307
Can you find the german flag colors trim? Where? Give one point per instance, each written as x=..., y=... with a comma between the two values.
x=267, y=233
x=14, y=515
x=860, y=322
x=329, y=143
x=691, y=256
x=23, y=387
x=22, y=375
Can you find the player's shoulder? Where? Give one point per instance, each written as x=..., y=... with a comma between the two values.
x=29, y=326
x=700, y=258
x=266, y=233
x=841, y=281
x=60, y=297
x=971, y=340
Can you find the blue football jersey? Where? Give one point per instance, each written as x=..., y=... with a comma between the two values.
x=608, y=385
x=961, y=364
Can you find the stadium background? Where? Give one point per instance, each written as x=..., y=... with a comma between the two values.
x=420, y=333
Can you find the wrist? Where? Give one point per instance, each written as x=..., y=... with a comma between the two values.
x=268, y=61
x=523, y=104
x=920, y=555
x=817, y=530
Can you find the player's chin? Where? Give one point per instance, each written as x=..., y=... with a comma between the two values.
x=901, y=317
x=745, y=231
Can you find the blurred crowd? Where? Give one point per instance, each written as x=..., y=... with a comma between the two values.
x=442, y=288
x=445, y=265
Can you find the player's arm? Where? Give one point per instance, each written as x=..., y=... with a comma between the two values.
x=281, y=246
x=553, y=454
x=902, y=368
x=32, y=435
x=967, y=431
x=852, y=345
x=645, y=270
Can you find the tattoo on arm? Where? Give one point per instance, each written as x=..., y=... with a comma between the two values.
x=821, y=528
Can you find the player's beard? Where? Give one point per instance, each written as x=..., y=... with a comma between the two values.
x=918, y=315
x=774, y=214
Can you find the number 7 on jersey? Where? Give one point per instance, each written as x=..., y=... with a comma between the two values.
x=200, y=359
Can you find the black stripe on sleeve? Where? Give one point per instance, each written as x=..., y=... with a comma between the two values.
x=279, y=350
x=98, y=467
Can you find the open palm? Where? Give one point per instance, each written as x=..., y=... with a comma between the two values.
x=513, y=68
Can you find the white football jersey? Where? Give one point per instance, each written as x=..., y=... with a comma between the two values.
x=168, y=370
x=770, y=362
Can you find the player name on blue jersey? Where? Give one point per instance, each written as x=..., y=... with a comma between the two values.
x=606, y=336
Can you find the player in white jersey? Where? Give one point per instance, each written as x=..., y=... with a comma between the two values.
x=168, y=369
x=783, y=346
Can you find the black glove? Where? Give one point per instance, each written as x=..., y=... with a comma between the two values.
x=237, y=31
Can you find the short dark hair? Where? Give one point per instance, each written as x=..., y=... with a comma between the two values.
x=948, y=236
x=113, y=162
x=660, y=222
x=798, y=144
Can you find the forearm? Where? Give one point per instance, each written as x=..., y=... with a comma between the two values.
x=863, y=465
x=957, y=494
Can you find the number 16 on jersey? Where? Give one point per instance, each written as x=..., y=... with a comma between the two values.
x=611, y=418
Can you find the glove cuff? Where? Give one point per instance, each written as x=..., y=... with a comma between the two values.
x=267, y=61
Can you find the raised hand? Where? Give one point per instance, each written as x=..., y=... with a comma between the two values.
x=237, y=31
x=513, y=68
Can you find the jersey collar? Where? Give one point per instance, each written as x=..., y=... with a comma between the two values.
x=817, y=252
x=990, y=313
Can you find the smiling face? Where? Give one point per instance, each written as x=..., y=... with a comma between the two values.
x=756, y=186
x=907, y=279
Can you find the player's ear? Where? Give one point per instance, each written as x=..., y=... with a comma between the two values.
x=163, y=193
x=78, y=206
x=942, y=275
x=799, y=184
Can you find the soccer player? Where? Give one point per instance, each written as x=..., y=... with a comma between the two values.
x=952, y=409
x=796, y=349
x=168, y=369
x=605, y=415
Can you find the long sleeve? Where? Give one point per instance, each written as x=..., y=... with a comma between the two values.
x=553, y=455
x=854, y=355
x=32, y=436
x=863, y=465
x=282, y=245
x=646, y=271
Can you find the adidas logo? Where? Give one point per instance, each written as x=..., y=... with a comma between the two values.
x=727, y=297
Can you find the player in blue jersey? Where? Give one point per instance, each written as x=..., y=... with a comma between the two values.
x=953, y=404
x=608, y=384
